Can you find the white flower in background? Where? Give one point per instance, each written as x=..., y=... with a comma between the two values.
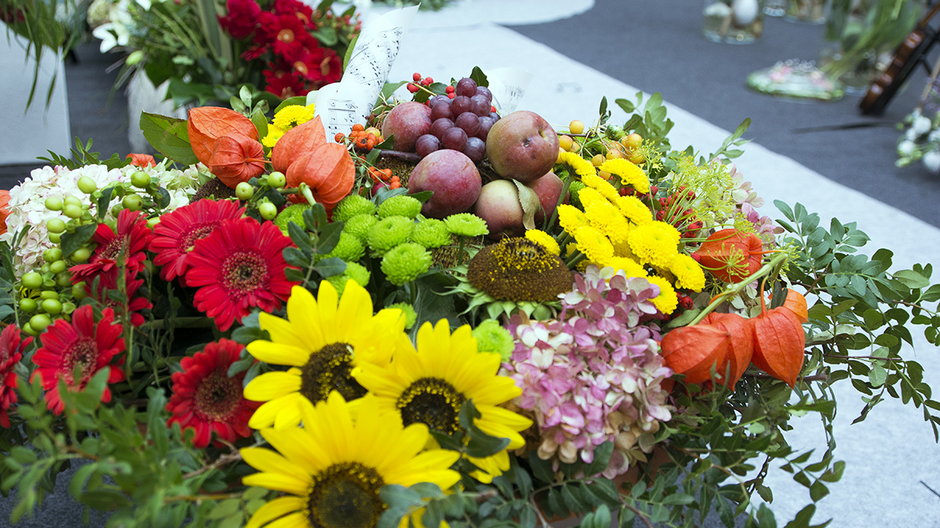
x=906, y=147
x=921, y=125
x=28, y=201
x=932, y=161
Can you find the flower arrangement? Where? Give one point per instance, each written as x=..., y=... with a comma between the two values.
x=287, y=330
x=920, y=141
x=282, y=47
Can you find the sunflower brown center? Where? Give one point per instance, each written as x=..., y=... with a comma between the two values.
x=345, y=495
x=517, y=269
x=433, y=402
x=329, y=369
x=244, y=272
x=218, y=396
x=198, y=232
x=81, y=359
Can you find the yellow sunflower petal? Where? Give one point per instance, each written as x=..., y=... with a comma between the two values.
x=294, y=520
x=282, y=331
x=278, y=482
x=277, y=353
x=276, y=508
x=271, y=385
x=268, y=461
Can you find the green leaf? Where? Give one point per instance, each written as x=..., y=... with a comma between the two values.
x=626, y=105
x=479, y=77
x=912, y=279
x=77, y=239
x=330, y=267
x=529, y=201
x=349, y=51
x=326, y=35
x=300, y=100
x=168, y=136
x=224, y=509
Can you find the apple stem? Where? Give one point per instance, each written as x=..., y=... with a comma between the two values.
x=399, y=155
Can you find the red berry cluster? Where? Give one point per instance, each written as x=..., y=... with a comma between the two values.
x=685, y=301
x=685, y=220
x=413, y=87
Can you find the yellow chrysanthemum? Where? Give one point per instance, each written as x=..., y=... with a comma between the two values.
x=634, y=209
x=571, y=218
x=630, y=267
x=602, y=186
x=273, y=135
x=581, y=166
x=607, y=218
x=333, y=468
x=292, y=115
x=595, y=246
x=654, y=243
x=588, y=195
x=666, y=301
x=688, y=272
x=543, y=239
x=321, y=340
x=429, y=385
x=629, y=174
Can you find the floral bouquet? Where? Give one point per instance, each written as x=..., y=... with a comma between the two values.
x=444, y=315
x=282, y=47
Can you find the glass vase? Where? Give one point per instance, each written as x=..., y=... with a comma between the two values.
x=733, y=21
x=811, y=11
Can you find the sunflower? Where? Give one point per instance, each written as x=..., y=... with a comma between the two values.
x=321, y=340
x=333, y=468
x=429, y=385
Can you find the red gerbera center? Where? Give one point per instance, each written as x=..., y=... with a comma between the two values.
x=80, y=358
x=301, y=68
x=244, y=272
x=207, y=400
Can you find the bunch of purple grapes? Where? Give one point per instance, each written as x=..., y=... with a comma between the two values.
x=461, y=123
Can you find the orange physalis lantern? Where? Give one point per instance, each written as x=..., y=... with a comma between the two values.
x=301, y=139
x=731, y=255
x=796, y=303
x=779, y=344
x=4, y=210
x=695, y=350
x=328, y=171
x=236, y=159
x=208, y=123
x=742, y=343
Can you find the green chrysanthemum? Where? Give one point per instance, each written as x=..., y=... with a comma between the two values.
x=354, y=272
x=466, y=224
x=351, y=206
x=360, y=225
x=389, y=232
x=349, y=248
x=292, y=213
x=400, y=205
x=405, y=262
x=431, y=233
x=411, y=316
x=491, y=337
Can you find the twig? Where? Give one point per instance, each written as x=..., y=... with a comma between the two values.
x=221, y=461
x=410, y=157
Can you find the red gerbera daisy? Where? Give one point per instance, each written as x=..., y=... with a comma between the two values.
x=135, y=305
x=80, y=347
x=177, y=231
x=239, y=266
x=284, y=84
x=329, y=69
x=290, y=37
x=206, y=399
x=294, y=8
x=242, y=18
x=130, y=241
x=11, y=351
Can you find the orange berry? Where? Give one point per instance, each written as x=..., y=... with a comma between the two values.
x=358, y=128
x=338, y=137
x=394, y=185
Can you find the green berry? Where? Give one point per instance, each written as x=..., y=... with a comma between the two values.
x=244, y=191
x=48, y=294
x=51, y=306
x=492, y=337
x=81, y=255
x=277, y=179
x=389, y=232
x=71, y=200
x=63, y=279
x=87, y=185
x=54, y=203
x=39, y=322
x=55, y=225
x=68, y=307
x=140, y=179
x=31, y=280
x=466, y=224
x=411, y=316
x=28, y=305
x=351, y=206
x=52, y=254
x=132, y=202
x=431, y=233
x=359, y=225
x=152, y=222
x=349, y=248
x=78, y=291
x=267, y=210
x=28, y=329
x=55, y=238
x=72, y=211
x=405, y=262
x=58, y=266
x=400, y=205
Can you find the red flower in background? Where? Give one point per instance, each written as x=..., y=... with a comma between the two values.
x=302, y=11
x=11, y=352
x=237, y=267
x=207, y=400
x=330, y=68
x=242, y=18
x=75, y=351
x=141, y=160
x=4, y=210
x=178, y=231
x=291, y=39
x=132, y=238
x=284, y=84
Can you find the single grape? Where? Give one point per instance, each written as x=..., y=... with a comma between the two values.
x=72, y=211
x=140, y=179
x=454, y=139
x=55, y=225
x=485, y=92
x=466, y=87
x=469, y=122
x=52, y=254
x=267, y=210
x=244, y=190
x=441, y=110
x=51, y=306
x=439, y=126
x=427, y=144
x=439, y=99
x=58, y=266
x=31, y=280
x=28, y=305
x=495, y=116
x=78, y=291
x=460, y=104
x=131, y=201
x=39, y=322
x=475, y=149
x=54, y=203
x=485, y=124
x=87, y=185
x=63, y=279
x=479, y=105
x=276, y=179
x=81, y=255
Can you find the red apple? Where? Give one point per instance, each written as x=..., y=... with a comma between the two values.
x=499, y=206
x=522, y=146
x=548, y=188
x=407, y=122
x=453, y=178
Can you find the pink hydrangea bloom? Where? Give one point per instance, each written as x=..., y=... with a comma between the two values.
x=594, y=374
